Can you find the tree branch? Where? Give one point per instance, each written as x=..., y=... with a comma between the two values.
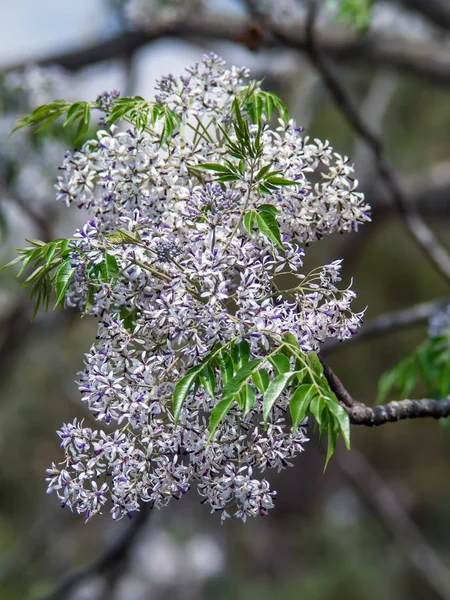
x=361, y=414
x=423, y=58
x=435, y=11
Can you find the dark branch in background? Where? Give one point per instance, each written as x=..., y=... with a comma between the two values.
x=424, y=59
x=113, y=556
x=431, y=197
x=391, y=321
x=361, y=414
x=392, y=513
x=436, y=11
x=421, y=233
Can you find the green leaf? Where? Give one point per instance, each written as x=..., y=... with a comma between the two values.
x=269, y=208
x=261, y=379
x=262, y=172
x=226, y=366
x=273, y=392
x=357, y=12
x=444, y=382
x=84, y=122
x=249, y=221
x=240, y=353
x=281, y=107
x=292, y=341
x=332, y=439
x=72, y=113
x=277, y=181
x=225, y=178
x=43, y=114
x=215, y=167
x=316, y=407
x=111, y=267
x=315, y=364
x=11, y=263
x=249, y=398
x=342, y=420
x=208, y=380
x=234, y=385
x=257, y=102
x=281, y=363
x=182, y=389
x=220, y=410
x=63, y=277
x=269, y=227
x=300, y=402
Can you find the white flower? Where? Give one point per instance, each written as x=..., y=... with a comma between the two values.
x=189, y=274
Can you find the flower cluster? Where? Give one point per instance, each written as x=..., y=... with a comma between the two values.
x=178, y=258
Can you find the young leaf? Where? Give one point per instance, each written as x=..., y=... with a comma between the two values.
x=182, y=389
x=281, y=363
x=236, y=383
x=63, y=277
x=249, y=221
x=273, y=392
x=226, y=366
x=215, y=167
x=240, y=353
x=111, y=267
x=300, y=401
x=208, y=380
x=249, y=398
x=342, y=420
x=261, y=379
x=220, y=410
x=269, y=208
x=269, y=227
x=333, y=433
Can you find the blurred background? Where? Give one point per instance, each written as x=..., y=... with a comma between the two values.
x=377, y=524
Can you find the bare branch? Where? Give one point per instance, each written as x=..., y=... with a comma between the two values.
x=436, y=11
x=361, y=414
